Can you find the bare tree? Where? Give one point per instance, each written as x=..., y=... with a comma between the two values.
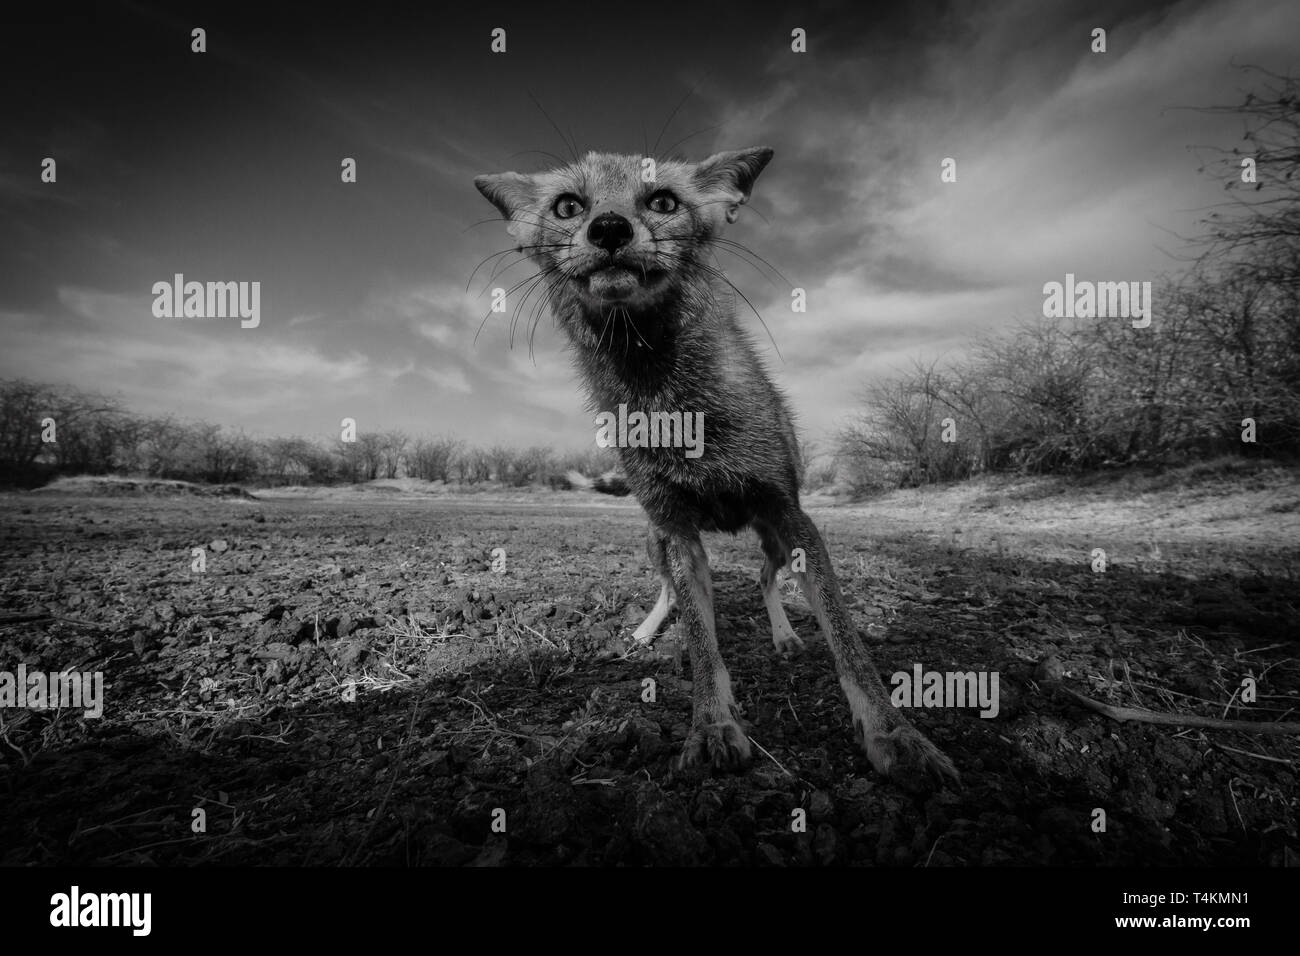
x=472, y=465
x=531, y=465
x=431, y=459
x=501, y=459
x=349, y=463
x=393, y=451
x=1257, y=228
x=370, y=452
x=84, y=427
x=890, y=441
x=294, y=461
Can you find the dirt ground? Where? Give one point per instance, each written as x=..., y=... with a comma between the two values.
x=356, y=679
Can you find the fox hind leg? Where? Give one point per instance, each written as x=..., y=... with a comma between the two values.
x=784, y=639
x=657, y=550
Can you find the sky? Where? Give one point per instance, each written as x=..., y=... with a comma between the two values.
x=225, y=166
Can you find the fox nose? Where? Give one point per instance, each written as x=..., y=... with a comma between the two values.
x=610, y=231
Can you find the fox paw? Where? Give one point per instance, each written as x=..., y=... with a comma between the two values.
x=906, y=756
x=787, y=643
x=722, y=745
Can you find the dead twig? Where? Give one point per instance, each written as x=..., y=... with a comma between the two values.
x=763, y=751
x=1251, y=753
x=1183, y=720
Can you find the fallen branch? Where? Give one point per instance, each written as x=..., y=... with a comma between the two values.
x=1184, y=720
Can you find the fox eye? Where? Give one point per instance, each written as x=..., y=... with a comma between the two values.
x=662, y=202
x=568, y=206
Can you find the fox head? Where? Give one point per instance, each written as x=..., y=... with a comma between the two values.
x=623, y=234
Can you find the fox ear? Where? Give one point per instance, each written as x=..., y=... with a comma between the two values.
x=509, y=192
x=733, y=173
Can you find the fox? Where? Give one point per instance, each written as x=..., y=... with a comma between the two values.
x=626, y=267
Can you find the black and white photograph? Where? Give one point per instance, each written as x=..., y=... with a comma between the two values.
x=676, y=435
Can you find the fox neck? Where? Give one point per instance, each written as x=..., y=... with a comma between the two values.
x=648, y=356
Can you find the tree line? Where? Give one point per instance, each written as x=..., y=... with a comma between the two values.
x=94, y=434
